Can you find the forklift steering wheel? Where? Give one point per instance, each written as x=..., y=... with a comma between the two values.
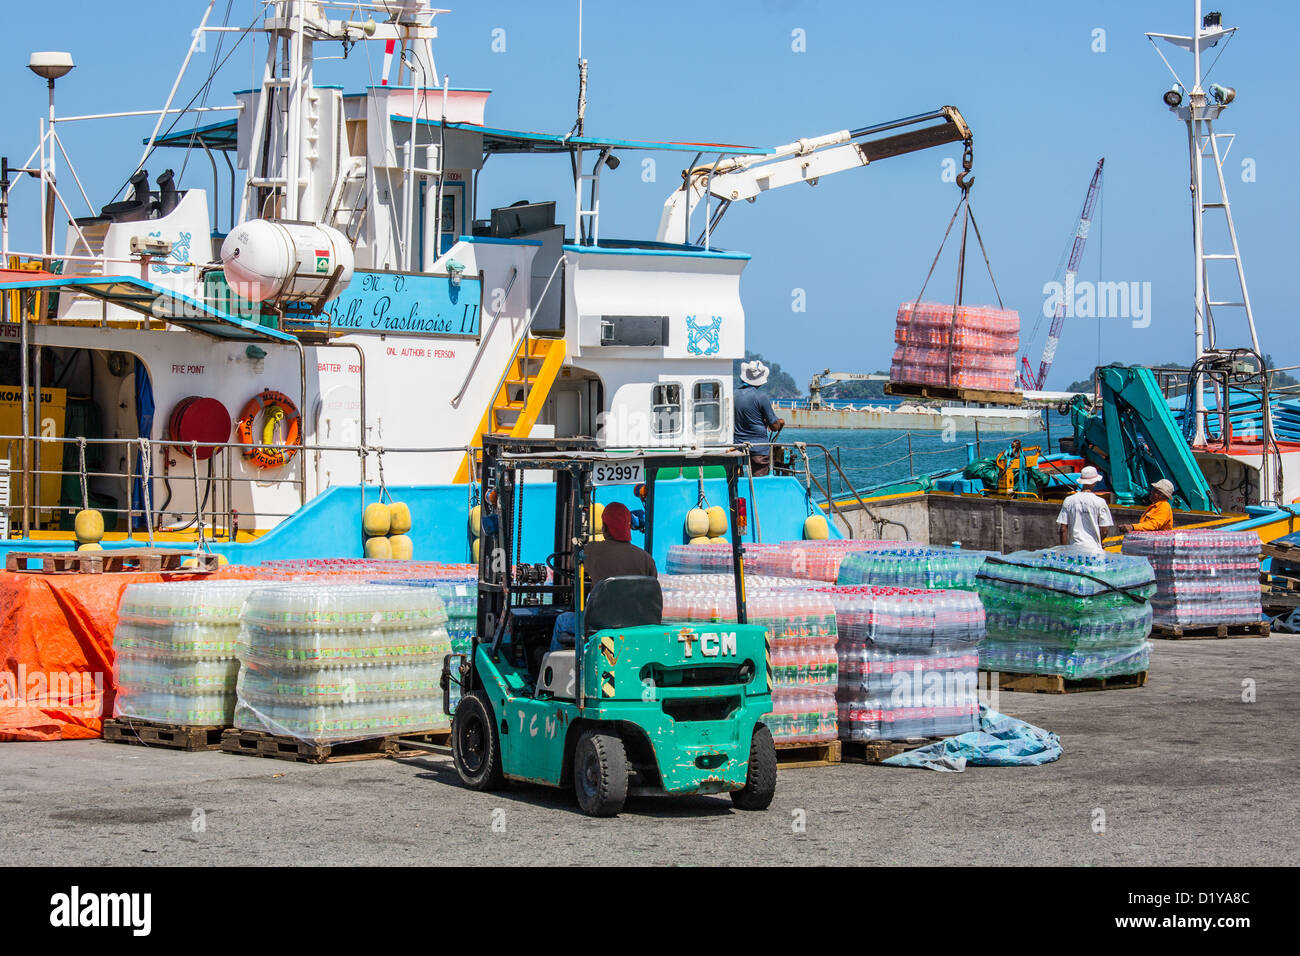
x=550, y=558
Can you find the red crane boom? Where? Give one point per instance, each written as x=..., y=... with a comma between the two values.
x=1036, y=381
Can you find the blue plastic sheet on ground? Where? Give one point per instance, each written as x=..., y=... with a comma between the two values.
x=1001, y=741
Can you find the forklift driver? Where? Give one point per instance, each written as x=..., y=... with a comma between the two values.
x=616, y=556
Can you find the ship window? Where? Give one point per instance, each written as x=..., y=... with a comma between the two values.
x=666, y=409
x=706, y=407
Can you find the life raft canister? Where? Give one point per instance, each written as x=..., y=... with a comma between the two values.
x=279, y=407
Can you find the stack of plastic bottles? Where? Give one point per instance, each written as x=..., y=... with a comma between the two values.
x=459, y=598
x=971, y=346
x=700, y=558
x=908, y=661
x=175, y=651
x=306, y=569
x=806, y=560
x=331, y=662
x=1202, y=577
x=913, y=566
x=718, y=581
x=1067, y=611
x=801, y=627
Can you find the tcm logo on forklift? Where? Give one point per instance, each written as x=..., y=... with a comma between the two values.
x=711, y=645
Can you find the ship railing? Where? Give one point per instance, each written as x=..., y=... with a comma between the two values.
x=798, y=456
x=214, y=514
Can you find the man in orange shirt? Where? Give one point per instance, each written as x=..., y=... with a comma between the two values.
x=1159, y=516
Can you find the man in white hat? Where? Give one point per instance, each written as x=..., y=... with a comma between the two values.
x=1159, y=515
x=754, y=416
x=1085, y=519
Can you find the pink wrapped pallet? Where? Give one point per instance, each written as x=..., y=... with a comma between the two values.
x=805, y=665
x=806, y=560
x=971, y=346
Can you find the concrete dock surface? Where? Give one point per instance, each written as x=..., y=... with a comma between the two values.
x=1198, y=767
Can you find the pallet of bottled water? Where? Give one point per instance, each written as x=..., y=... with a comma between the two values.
x=700, y=558
x=908, y=660
x=1202, y=577
x=801, y=630
x=721, y=581
x=459, y=598
x=807, y=560
x=324, y=663
x=913, y=566
x=1067, y=611
x=966, y=346
x=175, y=651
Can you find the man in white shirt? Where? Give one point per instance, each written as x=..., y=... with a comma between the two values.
x=1085, y=519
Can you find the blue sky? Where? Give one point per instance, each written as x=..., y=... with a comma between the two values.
x=1042, y=104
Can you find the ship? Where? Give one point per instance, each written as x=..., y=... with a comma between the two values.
x=241, y=365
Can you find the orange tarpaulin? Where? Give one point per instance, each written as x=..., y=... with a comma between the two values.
x=56, y=649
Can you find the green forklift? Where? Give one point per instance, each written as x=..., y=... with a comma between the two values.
x=625, y=705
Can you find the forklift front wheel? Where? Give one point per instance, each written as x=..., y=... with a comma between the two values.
x=600, y=773
x=760, y=782
x=476, y=745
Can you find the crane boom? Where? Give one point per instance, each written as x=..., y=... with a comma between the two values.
x=1036, y=382
x=803, y=161
x=819, y=380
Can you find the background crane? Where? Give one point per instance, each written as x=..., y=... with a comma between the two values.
x=826, y=377
x=1028, y=379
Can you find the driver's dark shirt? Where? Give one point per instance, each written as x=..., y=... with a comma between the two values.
x=611, y=559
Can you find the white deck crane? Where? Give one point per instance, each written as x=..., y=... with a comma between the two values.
x=826, y=376
x=730, y=178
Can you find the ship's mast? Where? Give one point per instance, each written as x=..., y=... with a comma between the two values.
x=1199, y=110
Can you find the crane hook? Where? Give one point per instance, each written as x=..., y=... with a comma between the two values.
x=964, y=179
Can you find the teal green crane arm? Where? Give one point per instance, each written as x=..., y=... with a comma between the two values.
x=1134, y=440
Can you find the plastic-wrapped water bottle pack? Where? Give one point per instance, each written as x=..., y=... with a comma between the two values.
x=1202, y=577
x=720, y=581
x=330, y=662
x=459, y=597
x=805, y=669
x=1066, y=611
x=699, y=558
x=175, y=646
x=887, y=694
x=913, y=566
x=908, y=661
x=807, y=560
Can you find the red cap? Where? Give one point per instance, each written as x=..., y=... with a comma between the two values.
x=618, y=522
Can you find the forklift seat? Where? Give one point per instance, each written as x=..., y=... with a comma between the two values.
x=624, y=601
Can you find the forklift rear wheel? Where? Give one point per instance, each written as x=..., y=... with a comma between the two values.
x=760, y=782
x=476, y=745
x=600, y=773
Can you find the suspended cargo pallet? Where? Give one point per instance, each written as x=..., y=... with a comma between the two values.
x=790, y=755
x=1059, y=683
x=950, y=393
x=188, y=737
x=99, y=562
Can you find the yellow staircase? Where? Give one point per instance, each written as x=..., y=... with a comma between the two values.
x=520, y=395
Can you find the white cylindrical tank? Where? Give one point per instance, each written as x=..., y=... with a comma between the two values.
x=288, y=261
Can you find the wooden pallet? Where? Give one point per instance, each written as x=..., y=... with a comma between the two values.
x=952, y=393
x=255, y=743
x=1058, y=684
x=188, y=737
x=98, y=562
x=1175, y=632
x=789, y=755
x=878, y=751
